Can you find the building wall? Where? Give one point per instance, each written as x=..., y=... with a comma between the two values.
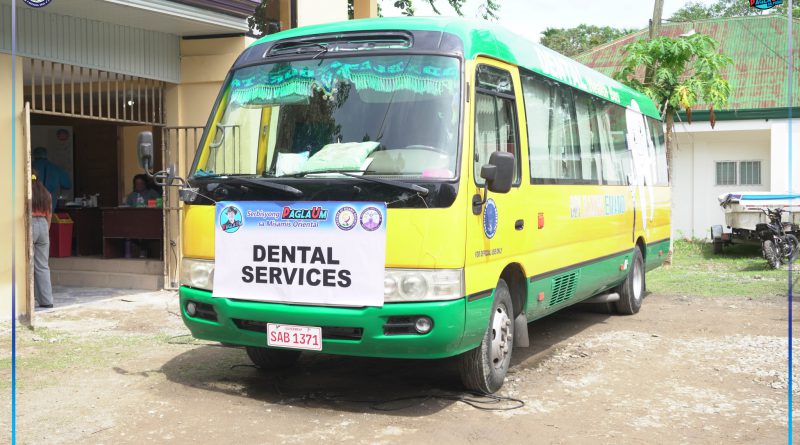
x=13, y=220
x=91, y=43
x=314, y=12
x=694, y=195
x=780, y=156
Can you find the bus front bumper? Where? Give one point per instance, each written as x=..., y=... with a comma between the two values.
x=346, y=331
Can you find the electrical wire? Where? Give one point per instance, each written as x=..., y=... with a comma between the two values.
x=483, y=402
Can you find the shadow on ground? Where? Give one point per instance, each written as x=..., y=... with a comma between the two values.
x=734, y=251
x=356, y=384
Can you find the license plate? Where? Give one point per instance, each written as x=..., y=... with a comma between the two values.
x=292, y=336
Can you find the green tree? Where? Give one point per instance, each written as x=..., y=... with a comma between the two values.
x=488, y=9
x=695, y=10
x=573, y=41
x=685, y=71
x=259, y=23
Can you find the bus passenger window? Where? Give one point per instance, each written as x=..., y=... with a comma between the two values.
x=620, y=156
x=657, y=136
x=589, y=134
x=495, y=119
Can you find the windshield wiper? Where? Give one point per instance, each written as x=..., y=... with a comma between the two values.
x=401, y=185
x=263, y=184
x=322, y=172
x=352, y=174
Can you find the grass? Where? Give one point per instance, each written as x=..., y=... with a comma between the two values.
x=46, y=353
x=739, y=271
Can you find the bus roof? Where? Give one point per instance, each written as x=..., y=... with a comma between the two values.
x=485, y=38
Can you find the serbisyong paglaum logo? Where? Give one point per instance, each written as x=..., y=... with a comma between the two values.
x=490, y=218
x=230, y=219
x=313, y=213
x=37, y=3
x=765, y=4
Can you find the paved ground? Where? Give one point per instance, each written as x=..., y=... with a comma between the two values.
x=70, y=296
x=684, y=370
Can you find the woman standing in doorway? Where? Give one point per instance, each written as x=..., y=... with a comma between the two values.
x=41, y=213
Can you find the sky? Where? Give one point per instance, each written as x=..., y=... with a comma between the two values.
x=530, y=17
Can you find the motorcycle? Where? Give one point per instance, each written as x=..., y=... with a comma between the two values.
x=778, y=241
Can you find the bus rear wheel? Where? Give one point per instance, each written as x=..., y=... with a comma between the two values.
x=631, y=291
x=484, y=368
x=269, y=358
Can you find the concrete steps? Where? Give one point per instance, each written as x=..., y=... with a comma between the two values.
x=132, y=273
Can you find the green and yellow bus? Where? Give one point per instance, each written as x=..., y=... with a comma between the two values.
x=416, y=188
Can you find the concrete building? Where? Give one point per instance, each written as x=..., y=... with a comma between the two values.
x=748, y=147
x=89, y=76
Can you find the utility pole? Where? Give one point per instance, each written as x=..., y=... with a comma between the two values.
x=655, y=22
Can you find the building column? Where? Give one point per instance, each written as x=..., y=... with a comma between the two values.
x=365, y=9
x=316, y=12
x=18, y=218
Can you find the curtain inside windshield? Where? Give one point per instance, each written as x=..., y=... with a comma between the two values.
x=384, y=115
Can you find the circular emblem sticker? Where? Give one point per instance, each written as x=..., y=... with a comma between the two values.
x=346, y=218
x=371, y=219
x=37, y=3
x=230, y=219
x=490, y=219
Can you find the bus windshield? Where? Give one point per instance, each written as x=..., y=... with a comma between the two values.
x=392, y=116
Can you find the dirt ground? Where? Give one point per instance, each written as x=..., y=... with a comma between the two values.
x=684, y=370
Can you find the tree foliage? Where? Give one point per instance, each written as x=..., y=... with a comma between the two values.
x=489, y=9
x=685, y=71
x=259, y=23
x=696, y=10
x=573, y=41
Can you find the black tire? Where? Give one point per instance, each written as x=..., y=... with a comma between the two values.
x=771, y=254
x=272, y=358
x=717, y=247
x=481, y=369
x=791, y=240
x=631, y=291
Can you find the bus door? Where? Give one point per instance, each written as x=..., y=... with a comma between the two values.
x=495, y=229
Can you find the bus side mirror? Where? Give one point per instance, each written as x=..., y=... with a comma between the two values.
x=499, y=172
x=145, y=150
x=498, y=175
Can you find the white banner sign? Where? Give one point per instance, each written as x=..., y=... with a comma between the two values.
x=326, y=253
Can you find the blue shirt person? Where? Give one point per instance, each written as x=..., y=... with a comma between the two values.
x=52, y=176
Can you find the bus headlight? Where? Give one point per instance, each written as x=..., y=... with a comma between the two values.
x=197, y=273
x=402, y=285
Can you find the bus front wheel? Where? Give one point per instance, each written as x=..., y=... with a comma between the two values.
x=484, y=368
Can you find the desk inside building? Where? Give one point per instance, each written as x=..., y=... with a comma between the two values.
x=142, y=226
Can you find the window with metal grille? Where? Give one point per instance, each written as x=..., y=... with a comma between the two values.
x=69, y=90
x=750, y=172
x=726, y=173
